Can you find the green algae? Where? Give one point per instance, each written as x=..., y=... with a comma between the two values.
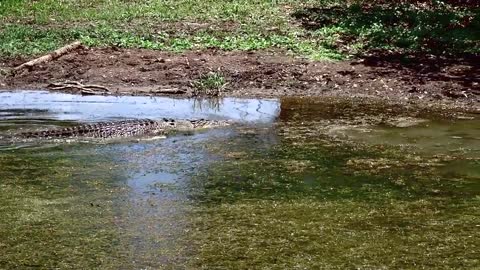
x=313, y=234
x=47, y=219
x=309, y=204
x=288, y=196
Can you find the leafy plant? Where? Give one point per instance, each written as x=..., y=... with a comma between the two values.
x=210, y=84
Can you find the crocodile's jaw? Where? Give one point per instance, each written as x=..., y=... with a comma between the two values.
x=201, y=124
x=190, y=125
x=164, y=127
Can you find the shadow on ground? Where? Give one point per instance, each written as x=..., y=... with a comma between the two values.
x=419, y=41
x=439, y=28
x=421, y=68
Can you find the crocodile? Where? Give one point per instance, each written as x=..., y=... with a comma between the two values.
x=119, y=129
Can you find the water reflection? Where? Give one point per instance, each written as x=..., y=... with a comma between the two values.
x=59, y=106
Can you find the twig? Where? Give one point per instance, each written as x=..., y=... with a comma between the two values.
x=86, y=89
x=101, y=87
x=49, y=57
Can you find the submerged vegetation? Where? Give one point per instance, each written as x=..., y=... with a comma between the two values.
x=316, y=29
x=308, y=202
x=286, y=196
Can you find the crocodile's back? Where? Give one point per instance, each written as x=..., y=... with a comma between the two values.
x=124, y=128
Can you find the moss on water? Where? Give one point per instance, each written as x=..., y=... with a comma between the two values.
x=314, y=234
x=307, y=169
x=71, y=207
x=310, y=203
x=47, y=217
x=282, y=197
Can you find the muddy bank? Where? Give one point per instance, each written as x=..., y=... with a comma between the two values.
x=450, y=83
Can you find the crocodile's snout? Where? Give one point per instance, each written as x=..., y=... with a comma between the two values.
x=202, y=123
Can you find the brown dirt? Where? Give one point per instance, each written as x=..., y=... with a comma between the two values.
x=428, y=80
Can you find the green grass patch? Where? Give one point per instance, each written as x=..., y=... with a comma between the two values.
x=356, y=28
x=40, y=26
x=27, y=40
x=24, y=40
x=313, y=29
x=210, y=84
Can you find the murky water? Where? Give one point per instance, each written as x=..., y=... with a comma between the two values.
x=296, y=184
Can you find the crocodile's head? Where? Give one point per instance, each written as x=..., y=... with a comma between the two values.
x=201, y=124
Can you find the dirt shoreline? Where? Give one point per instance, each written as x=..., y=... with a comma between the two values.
x=446, y=83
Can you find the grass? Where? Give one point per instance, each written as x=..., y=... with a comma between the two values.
x=436, y=29
x=34, y=27
x=210, y=84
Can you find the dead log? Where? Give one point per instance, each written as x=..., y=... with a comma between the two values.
x=49, y=57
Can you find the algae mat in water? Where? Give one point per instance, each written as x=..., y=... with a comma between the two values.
x=262, y=197
x=307, y=203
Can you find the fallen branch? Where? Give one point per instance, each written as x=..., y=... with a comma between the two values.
x=49, y=57
x=85, y=89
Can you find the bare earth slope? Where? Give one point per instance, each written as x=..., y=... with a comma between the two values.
x=424, y=80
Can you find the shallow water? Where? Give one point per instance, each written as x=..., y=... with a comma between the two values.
x=297, y=184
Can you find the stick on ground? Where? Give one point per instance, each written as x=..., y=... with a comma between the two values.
x=86, y=89
x=49, y=57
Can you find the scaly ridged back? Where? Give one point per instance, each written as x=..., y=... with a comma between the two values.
x=126, y=128
x=98, y=130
